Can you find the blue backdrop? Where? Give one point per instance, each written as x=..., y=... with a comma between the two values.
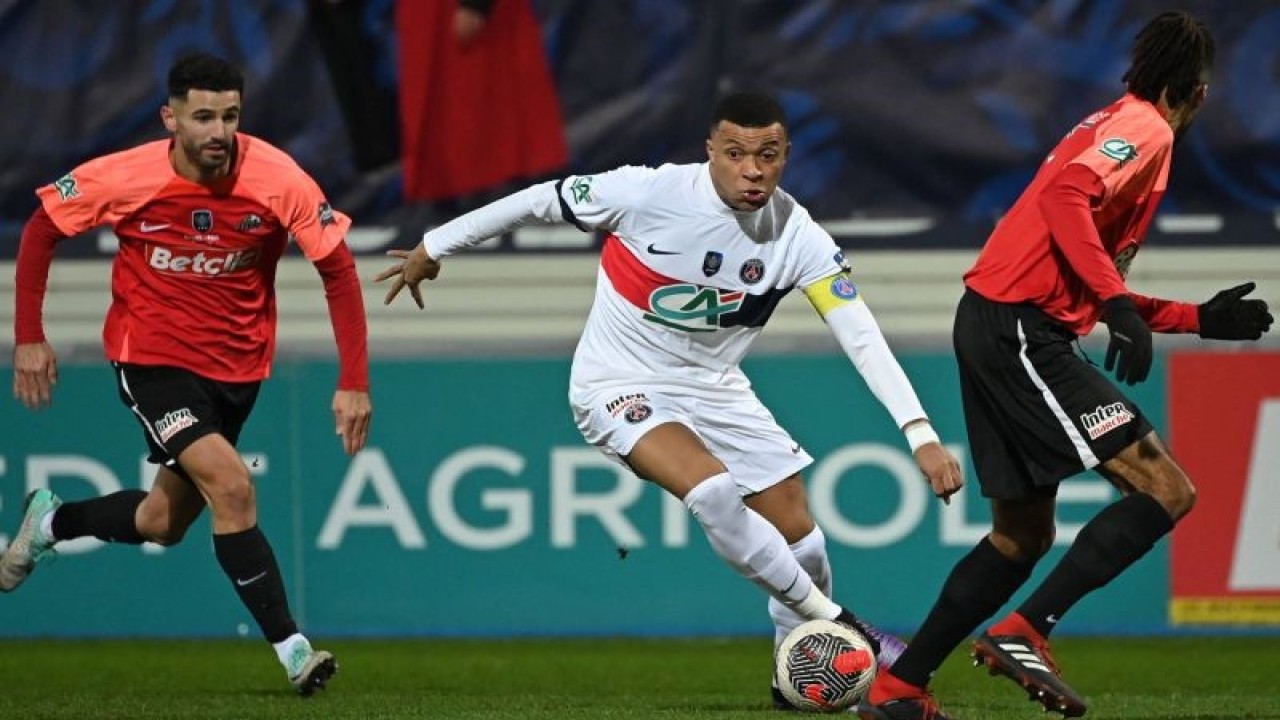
x=931, y=109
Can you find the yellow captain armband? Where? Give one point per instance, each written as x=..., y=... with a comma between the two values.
x=831, y=292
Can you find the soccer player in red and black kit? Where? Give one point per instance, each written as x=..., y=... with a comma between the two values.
x=1037, y=413
x=203, y=218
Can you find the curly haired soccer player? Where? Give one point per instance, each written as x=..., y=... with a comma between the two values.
x=1038, y=413
x=697, y=258
x=203, y=218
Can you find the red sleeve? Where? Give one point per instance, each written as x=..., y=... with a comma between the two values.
x=346, y=313
x=31, y=276
x=1168, y=316
x=1066, y=204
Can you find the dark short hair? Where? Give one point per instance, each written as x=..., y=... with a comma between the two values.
x=749, y=109
x=203, y=71
x=1170, y=54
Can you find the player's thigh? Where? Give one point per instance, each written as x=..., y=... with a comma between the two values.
x=1147, y=467
x=786, y=506
x=1035, y=410
x=171, y=506
x=671, y=456
x=219, y=474
x=650, y=430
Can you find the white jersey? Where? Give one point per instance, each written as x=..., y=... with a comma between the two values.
x=686, y=283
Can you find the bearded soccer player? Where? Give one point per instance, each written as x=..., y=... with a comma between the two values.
x=203, y=218
x=1038, y=413
x=697, y=258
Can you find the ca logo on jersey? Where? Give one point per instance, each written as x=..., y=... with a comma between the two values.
x=66, y=187
x=1119, y=149
x=691, y=307
x=581, y=188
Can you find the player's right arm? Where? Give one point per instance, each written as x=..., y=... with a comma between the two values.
x=101, y=191
x=589, y=202
x=35, y=365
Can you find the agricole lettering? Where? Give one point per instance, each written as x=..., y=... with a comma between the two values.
x=203, y=262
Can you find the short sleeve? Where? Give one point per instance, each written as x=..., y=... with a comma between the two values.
x=307, y=215
x=598, y=202
x=817, y=256
x=104, y=190
x=1123, y=148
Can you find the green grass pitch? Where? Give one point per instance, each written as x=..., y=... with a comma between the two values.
x=1206, y=678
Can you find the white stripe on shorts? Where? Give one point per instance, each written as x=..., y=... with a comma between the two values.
x=1082, y=448
x=133, y=405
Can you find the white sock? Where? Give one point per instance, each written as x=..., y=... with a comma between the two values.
x=753, y=547
x=285, y=647
x=811, y=552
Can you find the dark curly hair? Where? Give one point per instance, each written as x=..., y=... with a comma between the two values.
x=1172, y=54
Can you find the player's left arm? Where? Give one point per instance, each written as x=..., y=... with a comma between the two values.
x=320, y=232
x=1228, y=315
x=838, y=301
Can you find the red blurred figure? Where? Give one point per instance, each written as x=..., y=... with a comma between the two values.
x=478, y=106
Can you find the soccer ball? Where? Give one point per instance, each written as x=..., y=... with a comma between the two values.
x=824, y=666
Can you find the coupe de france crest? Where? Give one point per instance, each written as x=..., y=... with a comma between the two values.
x=711, y=263
x=202, y=220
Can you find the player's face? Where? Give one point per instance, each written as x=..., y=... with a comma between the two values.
x=204, y=127
x=746, y=163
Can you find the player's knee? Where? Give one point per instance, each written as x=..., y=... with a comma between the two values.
x=159, y=528
x=714, y=501
x=1177, y=496
x=1024, y=544
x=166, y=536
x=231, y=499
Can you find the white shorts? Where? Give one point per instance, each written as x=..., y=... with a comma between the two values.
x=736, y=428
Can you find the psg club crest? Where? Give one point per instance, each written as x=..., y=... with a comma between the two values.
x=202, y=220
x=711, y=263
x=637, y=413
x=751, y=271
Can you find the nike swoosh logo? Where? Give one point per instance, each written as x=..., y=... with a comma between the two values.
x=251, y=580
x=655, y=251
x=148, y=227
x=794, y=580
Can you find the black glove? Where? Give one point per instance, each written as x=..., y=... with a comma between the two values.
x=1228, y=316
x=1130, y=349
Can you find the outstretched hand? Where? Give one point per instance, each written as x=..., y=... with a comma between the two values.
x=415, y=267
x=1228, y=316
x=941, y=469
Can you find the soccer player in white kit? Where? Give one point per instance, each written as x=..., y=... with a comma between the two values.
x=696, y=259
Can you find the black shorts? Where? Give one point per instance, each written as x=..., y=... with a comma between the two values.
x=176, y=407
x=1037, y=413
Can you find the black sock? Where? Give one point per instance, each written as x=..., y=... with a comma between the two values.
x=109, y=518
x=1112, y=541
x=247, y=559
x=978, y=585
